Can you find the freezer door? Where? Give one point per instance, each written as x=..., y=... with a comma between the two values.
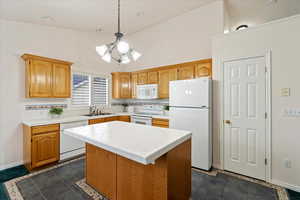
x=198, y=122
x=190, y=93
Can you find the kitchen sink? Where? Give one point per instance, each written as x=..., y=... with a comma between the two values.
x=92, y=115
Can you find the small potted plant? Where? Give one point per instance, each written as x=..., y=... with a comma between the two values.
x=56, y=112
x=166, y=109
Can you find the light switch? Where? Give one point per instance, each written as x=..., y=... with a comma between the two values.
x=285, y=92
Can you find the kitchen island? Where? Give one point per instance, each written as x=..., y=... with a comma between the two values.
x=126, y=161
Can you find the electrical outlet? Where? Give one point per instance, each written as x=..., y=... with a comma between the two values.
x=288, y=163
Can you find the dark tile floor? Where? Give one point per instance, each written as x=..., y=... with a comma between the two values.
x=59, y=183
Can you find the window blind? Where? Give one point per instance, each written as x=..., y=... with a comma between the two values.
x=99, y=91
x=81, y=90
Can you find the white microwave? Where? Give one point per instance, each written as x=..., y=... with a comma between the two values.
x=149, y=91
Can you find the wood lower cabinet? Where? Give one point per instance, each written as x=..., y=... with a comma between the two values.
x=124, y=118
x=121, y=84
x=45, y=149
x=96, y=121
x=142, y=78
x=164, y=123
x=46, y=77
x=165, y=76
x=40, y=145
x=105, y=119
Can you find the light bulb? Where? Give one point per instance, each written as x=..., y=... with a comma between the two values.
x=101, y=50
x=123, y=47
x=125, y=59
x=107, y=57
x=135, y=55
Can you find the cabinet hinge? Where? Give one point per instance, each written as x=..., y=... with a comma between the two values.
x=266, y=69
x=266, y=115
x=266, y=161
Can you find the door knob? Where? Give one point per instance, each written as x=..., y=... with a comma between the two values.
x=227, y=121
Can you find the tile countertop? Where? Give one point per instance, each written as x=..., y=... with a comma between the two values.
x=140, y=143
x=40, y=122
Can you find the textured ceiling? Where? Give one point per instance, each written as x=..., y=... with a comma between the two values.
x=90, y=15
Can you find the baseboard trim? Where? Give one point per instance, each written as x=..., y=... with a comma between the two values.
x=286, y=185
x=10, y=165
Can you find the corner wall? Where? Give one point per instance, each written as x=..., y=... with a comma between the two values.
x=282, y=38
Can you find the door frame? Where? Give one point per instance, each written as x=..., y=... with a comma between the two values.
x=268, y=60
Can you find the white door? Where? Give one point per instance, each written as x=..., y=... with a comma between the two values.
x=190, y=93
x=197, y=121
x=245, y=117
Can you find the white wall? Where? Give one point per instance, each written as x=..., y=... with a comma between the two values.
x=19, y=38
x=282, y=38
x=183, y=38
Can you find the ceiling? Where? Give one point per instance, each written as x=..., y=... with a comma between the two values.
x=254, y=12
x=92, y=15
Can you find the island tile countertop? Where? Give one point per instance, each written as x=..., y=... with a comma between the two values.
x=140, y=143
x=40, y=122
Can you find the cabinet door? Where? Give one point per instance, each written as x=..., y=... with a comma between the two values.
x=61, y=81
x=134, y=82
x=142, y=78
x=186, y=72
x=152, y=77
x=125, y=89
x=203, y=69
x=39, y=79
x=45, y=148
x=165, y=76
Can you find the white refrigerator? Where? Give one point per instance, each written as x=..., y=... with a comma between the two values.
x=190, y=109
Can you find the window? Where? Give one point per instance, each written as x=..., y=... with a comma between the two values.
x=89, y=90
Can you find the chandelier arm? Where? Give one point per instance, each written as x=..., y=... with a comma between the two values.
x=119, y=24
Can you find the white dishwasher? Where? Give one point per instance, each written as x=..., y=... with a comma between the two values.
x=69, y=146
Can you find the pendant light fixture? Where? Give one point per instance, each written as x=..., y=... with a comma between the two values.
x=119, y=50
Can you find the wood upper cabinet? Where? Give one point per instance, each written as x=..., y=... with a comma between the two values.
x=40, y=145
x=61, y=81
x=164, y=77
x=46, y=77
x=142, y=78
x=121, y=84
x=153, y=77
x=203, y=69
x=186, y=72
x=134, y=82
x=39, y=79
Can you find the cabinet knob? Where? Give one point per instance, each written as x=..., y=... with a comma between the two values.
x=227, y=121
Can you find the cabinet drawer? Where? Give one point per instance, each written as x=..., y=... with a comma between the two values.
x=44, y=129
x=109, y=119
x=124, y=118
x=96, y=121
x=160, y=122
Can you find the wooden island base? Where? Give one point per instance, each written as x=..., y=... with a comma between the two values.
x=119, y=178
